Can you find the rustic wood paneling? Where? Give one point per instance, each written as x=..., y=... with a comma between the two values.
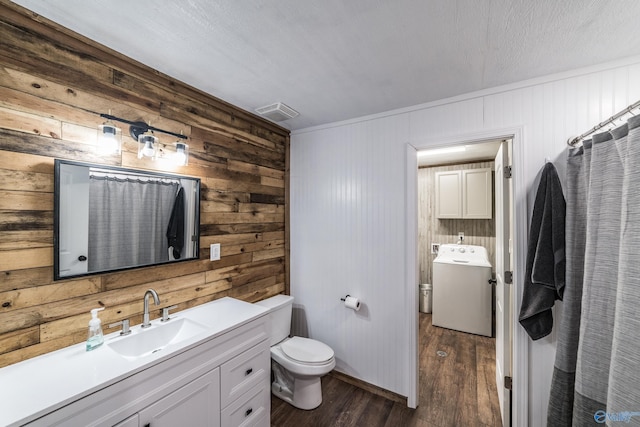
x=479, y=232
x=53, y=84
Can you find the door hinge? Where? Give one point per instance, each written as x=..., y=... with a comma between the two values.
x=508, y=382
x=508, y=277
x=507, y=171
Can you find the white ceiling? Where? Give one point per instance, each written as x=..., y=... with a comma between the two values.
x=333, y=60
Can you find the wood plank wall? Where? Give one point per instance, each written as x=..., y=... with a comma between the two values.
x=480, y=232
x=52, y=85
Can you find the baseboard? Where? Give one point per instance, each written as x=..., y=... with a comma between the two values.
x=369, y=387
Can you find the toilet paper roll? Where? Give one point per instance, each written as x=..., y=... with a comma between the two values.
x=352, y=303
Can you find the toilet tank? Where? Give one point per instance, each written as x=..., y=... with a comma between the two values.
x=280, y=307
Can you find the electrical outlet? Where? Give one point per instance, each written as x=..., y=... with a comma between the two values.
x=214, y=252
x=434, y=248
x=460, y=237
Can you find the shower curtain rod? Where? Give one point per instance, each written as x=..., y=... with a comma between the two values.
x=123, y=175
x=573, y=141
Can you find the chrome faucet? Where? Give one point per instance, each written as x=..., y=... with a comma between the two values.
x=156, y=300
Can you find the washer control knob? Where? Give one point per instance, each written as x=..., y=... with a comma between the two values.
x=461, y=250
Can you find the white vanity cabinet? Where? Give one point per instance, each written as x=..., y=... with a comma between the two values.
x=221, y=381
x=464, y=194
x=196, y=402
x=245, y=399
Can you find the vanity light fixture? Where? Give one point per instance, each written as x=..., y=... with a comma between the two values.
x=109, y=138
x=145, y=135
x=147, y=143
x=181, y=158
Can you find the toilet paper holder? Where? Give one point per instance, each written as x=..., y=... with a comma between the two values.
x=351, y=302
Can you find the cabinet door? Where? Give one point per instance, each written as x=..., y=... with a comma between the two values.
x=448, y=194
x=252, y=409
x=197, y=404
x=132, y=421
x=477, y=194
x=245, y=371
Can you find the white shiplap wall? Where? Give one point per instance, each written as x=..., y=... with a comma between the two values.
x=346, y=221
x=348, y=209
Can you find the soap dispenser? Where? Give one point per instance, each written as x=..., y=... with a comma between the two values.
x=95, y=338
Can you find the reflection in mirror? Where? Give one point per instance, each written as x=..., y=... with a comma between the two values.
x=109, y=218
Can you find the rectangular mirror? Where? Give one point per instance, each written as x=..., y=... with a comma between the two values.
x=109, y=218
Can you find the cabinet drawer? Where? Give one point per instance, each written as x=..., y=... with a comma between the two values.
x=251, y=409
x=245, y=371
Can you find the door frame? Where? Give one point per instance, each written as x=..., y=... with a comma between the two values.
x=520, y=346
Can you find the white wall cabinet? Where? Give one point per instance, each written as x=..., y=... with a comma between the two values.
x=449, y=194
x=465, y=194
x=223, y=381
x=477, y=193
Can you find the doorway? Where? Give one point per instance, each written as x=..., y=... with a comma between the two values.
x=494, y=235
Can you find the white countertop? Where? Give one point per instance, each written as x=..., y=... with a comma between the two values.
x=38, y=386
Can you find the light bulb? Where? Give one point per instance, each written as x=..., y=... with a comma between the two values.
x=109, y=137
x=146, y=145
x=148, y=149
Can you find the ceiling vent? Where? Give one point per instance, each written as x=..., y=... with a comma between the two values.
x=277, y=112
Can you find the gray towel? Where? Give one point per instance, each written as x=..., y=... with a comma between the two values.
x=545, y=269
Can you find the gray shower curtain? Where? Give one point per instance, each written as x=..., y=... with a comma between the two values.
x=596, y=379
x=128, y=221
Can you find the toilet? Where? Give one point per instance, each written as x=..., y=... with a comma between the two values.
x=297, y=363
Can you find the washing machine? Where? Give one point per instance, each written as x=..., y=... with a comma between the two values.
x=462, y=291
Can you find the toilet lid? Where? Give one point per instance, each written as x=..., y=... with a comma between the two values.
x=306, y=350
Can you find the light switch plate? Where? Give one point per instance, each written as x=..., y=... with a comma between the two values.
x=214, y=252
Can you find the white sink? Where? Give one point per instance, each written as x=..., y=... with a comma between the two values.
x=143, y=342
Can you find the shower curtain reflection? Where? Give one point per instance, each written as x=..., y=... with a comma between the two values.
x=122, y=230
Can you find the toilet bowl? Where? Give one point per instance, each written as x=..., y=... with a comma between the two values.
x=297, y=363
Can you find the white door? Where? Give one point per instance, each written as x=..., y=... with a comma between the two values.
x=73, y=241
x=503, y=298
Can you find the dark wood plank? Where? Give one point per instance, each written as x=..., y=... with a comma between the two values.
x=31, y=41
x=488, y=407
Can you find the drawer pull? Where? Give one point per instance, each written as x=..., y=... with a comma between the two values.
x=248, y=372
x=248, y=412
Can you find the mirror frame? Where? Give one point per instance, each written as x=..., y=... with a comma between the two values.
x=56, y=215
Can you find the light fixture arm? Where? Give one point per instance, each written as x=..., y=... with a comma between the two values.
x=138, y=128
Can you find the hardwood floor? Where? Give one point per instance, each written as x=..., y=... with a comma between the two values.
x=457, y=390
